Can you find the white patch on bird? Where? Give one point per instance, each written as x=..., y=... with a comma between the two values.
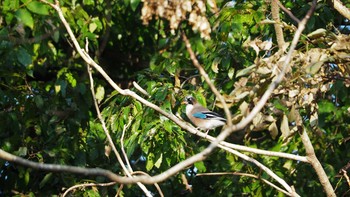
x=189, y=108
x=213, y=124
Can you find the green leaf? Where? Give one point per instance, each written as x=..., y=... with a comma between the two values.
x=45, y=180
x=92, y=27
x=215, y=65
x=70, y=78
x=25, y=17
x=159, y=161
x=61, y=86
x=88, y=2
x=149, y=163
x=38, y=8
x=326, y=107
x=39, y=102
x=100, y=93
x=231, y=72
x=24, y=57
x=314, y=68
x=134, y=4
x=245, y=71
x=22, y=151
x=27, y=177
x=200, y=166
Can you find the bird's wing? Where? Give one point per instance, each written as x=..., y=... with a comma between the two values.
x=208, y=115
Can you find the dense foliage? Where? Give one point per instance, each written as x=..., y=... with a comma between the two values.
x=47, y=113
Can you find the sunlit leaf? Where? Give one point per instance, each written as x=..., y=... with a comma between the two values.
x=100, y=93
x=24, y=16
x=245, y=71
x=314, y=68
x=285, y=127
x=200, y=166
x=215, y=65
x=134, y=4
x=149, y=162
x=159, y=161
x=273, y=130
x=38, y=8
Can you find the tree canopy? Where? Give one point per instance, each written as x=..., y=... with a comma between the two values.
x=91, y=97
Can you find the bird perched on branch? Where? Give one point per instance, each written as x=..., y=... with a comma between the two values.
x=202, y=117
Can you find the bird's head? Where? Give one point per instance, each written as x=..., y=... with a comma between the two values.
x=189, y=100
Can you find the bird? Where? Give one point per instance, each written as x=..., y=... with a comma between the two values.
x=202, y=117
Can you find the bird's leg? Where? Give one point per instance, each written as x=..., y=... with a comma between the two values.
x=198, y=129
x=206, y=133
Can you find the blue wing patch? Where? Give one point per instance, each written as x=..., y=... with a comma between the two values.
x=200, y=115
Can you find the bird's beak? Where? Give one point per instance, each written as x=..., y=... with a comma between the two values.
x=184, y=102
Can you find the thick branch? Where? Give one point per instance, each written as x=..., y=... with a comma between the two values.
x=311, y=156
x=198, y=157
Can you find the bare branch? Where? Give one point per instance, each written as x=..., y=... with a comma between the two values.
x=122, y=146
x=207, y=79
x=290, y=14
x=198, y=157
x=311, y=156
x=155, y=184
x=139, y=88
x=264, y=168
x=262, y=152
x=278, y=28
x=110, y=141
x=247, y=175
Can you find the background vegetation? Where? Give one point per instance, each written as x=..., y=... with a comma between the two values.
x=47, y=111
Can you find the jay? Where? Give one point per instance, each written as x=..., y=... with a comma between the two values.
x=202, y=117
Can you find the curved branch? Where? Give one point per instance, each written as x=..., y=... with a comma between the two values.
x=88, y=185
x=178, y=167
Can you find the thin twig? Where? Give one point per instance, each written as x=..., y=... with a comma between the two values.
x=139, y=88
x=247, y=175
x=110, y=141
x=88, y=185
x=198, y=157
x=346, y=176
x=290, y=192
x=122, y=146
x=207, y=79
x=155, y=184
x=290, y=14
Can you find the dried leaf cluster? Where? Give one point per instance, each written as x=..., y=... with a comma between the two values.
x=177, y=11
x=309, y=76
